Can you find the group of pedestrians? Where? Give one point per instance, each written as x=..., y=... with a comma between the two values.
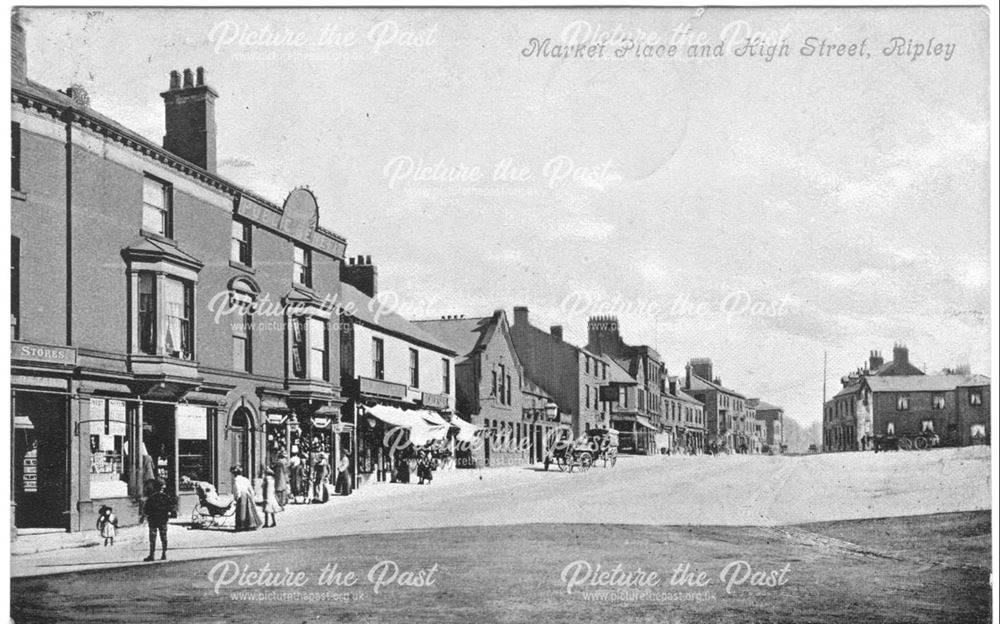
x=284, y=480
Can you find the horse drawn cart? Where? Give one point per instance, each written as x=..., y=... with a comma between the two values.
x=594, y=445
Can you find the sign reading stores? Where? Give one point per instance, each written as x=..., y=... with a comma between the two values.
x=42, y=353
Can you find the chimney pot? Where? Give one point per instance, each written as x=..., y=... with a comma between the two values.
x=188, y=79
x=368, y=259
x=200, y=77
x=175, y=80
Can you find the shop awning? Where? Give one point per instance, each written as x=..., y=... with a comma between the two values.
x=466, y=430
x=422, y=429
x=642, y=420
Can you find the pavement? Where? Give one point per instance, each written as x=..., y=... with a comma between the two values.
x=733, y=490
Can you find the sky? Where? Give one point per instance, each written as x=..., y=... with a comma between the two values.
x=758, y=212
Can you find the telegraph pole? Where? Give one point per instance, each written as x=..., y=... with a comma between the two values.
x=822, y=419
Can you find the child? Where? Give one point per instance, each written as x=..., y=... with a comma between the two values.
x=107, y=524
x=157, y=512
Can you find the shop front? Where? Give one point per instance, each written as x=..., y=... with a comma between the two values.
x=40, y=459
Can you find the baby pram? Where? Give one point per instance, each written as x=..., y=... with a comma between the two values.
x=212, y=511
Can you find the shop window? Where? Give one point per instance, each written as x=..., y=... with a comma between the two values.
x=975, y=396
x=193, y=448
x=902, y=402
x=241, y=242
x=937, y=400
x=107, y=424
x=378, y=358
x=302, y=269
x=156, y=207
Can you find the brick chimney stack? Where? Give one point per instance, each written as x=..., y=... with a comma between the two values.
x=556, y=331
x=520, y=315
x=702, y=367
x=875, y=361
x=360, y=273
x=190, y=119
x=18, y=50
x=900, y=354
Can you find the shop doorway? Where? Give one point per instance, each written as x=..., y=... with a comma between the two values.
x=241, y=434
x=40, y=461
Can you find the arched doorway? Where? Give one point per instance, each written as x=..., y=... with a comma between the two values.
x=242, y=436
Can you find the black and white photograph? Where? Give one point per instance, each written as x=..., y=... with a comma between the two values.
x=557, y=313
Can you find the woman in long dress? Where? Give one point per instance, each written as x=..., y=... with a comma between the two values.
x=344, y=474
x=247, y=518
x=271, y=504
x=322, y=474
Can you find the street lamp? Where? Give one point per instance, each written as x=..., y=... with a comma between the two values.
x=551, y=411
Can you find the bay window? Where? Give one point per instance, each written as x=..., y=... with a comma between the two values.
x=309, y=340
x=165, y=323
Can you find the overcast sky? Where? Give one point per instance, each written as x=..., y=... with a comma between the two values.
x=758, y=213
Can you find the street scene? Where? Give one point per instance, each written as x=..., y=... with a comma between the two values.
x=501, y=314
x=906, y=538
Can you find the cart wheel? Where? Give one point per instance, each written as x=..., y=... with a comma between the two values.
x=905, y=444
x=920, y=443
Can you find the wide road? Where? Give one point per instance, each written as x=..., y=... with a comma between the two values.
x=899, y=537
x=733, y=490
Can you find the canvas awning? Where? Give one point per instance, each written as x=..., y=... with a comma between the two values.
x=642, y=420
x=422, y=428
x=466, y=430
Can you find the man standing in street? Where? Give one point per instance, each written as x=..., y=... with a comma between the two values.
x=157, y=513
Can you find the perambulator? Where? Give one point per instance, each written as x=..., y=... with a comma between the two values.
x=212, y=511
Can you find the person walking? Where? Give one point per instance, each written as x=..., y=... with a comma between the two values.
x=424, y=469
x=281, y=478
x=247, y=518
x=157, y=513
x=344, y=474
x=271, y=506
x=296, y=476
x=321, y=479
x=107, y=524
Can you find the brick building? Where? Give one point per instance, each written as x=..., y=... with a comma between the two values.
x=573, y=376
x=642, y=363
x=728, y=424
x=771, y=419
x=684, y=417
x=896, y=398
x=388, y=361
x=142, y=345
x=489, y=381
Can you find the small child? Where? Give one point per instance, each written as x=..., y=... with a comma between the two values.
x=107, y=524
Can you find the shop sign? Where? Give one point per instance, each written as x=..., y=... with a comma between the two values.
x=320, y=422
x=42, y=353
x=275, y=418
x=298, y=220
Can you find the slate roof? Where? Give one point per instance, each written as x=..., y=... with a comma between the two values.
x=924, y=383
x=358, y=305
x=463, y=334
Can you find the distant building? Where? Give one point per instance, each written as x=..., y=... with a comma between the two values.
x=643, y=364
x=684, y=418
x=771, y=420
x=490, y=382
x=727, y=419
x=896, y=398
x=572, y=375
